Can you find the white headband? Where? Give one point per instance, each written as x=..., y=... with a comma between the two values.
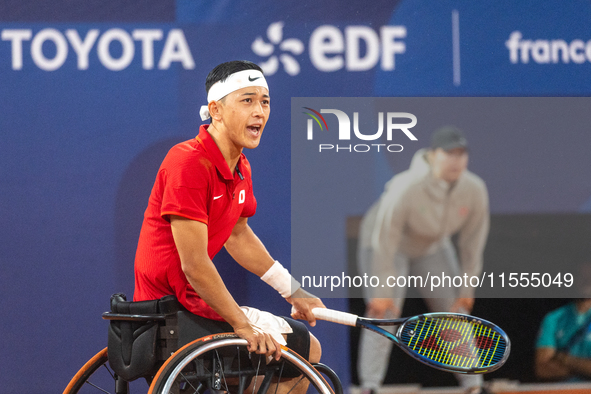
x=238, y=80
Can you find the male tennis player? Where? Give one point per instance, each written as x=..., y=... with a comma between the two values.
x=201, y=201
x=407, y=232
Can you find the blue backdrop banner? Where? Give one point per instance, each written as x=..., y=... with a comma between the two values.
x=94, y=93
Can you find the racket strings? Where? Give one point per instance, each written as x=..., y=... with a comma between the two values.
x=454, y=342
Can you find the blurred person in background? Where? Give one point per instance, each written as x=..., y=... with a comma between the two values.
x=408, y=232
x=563, y=347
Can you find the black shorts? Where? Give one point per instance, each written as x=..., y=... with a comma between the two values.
x=192, y=327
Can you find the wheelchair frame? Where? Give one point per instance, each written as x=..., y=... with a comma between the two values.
x=205, y=363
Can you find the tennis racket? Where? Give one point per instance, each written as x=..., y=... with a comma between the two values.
x=451, y=342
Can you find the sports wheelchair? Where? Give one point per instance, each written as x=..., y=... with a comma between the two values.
x=155, y=341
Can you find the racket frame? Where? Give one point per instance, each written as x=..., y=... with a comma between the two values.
x=373, y=325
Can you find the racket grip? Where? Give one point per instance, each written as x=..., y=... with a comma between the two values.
x=331, y=315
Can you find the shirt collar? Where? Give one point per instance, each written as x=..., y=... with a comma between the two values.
x=208, y=143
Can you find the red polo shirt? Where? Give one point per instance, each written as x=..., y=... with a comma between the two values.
x=194, y=181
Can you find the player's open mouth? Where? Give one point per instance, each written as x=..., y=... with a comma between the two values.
x=254, y=129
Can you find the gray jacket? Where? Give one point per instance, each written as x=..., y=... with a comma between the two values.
x=416, y=213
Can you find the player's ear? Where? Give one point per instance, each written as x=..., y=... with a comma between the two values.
x=215, y=110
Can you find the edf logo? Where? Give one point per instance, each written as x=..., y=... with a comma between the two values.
x=392, y=123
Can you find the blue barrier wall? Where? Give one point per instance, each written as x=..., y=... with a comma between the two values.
x=94, y=93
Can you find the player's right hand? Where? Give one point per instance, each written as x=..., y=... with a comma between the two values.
x=259, y=341
x=379, y=308
x=302, y=304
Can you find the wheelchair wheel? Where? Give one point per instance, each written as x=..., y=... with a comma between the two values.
x=96, y=377
x=84, y=375
x=221, y=363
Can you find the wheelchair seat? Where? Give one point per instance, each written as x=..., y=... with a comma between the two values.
x=144, y=334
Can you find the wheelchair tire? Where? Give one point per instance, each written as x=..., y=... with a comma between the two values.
x=85, y=373
x=97, y=377
x=205, y=364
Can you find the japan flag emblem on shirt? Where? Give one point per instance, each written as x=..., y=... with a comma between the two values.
x=241, y=197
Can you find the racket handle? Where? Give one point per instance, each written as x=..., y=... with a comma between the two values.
x=331, y=315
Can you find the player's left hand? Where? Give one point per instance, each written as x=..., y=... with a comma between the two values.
x=303, y=303
x=462, y=305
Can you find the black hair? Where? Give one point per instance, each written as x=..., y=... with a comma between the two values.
x=222, y=71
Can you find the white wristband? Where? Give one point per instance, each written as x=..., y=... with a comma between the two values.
x=280, y=279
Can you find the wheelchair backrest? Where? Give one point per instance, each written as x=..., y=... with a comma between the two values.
x=135, y=345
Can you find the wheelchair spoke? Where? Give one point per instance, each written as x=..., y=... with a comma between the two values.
x=111, y=374
x=279, y=378
x=109, y=371
x=221, y=368
x=96, y=387
x=241, y=382
x=294, y=386
x=195, y=390
x=256, y=375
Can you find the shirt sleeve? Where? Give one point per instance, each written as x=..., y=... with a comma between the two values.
x=186, y=189
x=472, y=238
x=385, y=237
x=547, y=333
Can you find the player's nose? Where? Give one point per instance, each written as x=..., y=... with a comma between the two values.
x=257, y=110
